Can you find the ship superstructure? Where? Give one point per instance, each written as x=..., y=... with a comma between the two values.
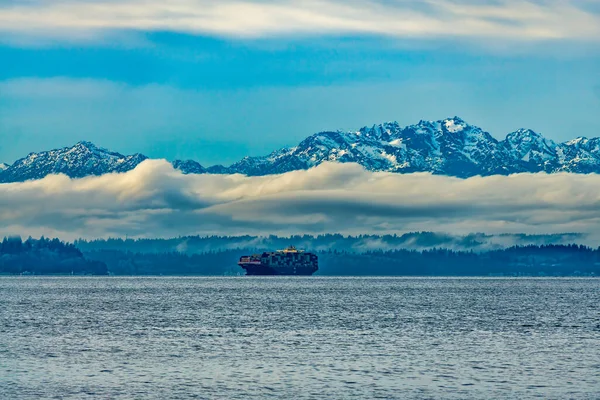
x=289, y=261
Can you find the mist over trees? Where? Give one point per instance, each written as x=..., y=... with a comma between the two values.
x=325, y=242
x=157, y=257
x=45, y=256
x=550, y=260
x=546, y=260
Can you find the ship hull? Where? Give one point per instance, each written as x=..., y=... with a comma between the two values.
x=265, y=270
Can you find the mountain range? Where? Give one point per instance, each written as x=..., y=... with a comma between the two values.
x=446, y=147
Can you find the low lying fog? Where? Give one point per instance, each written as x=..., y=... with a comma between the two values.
x=154, y=200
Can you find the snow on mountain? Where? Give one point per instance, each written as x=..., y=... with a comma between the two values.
x=83, y=159
x=531, y=152
x=580, y=155
x=3, y=166
x=447, y=147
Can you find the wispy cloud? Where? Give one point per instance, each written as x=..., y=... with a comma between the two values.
x=155, y=200
x=504, y=19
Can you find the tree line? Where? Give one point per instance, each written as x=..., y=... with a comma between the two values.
x=45, y=256
x=52, y=256
x=324, y=242
x=545, y=260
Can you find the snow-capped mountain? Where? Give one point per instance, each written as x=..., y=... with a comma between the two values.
x=78, y=161
x=448, y=147
x=579, y=155
x=189, y=166
x=3, y=166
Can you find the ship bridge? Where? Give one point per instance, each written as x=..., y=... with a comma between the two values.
x=290, y=249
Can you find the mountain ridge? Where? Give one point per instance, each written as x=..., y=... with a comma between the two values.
x=82, y=159
x=446, y=147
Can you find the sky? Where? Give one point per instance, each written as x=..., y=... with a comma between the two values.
x=218, y=80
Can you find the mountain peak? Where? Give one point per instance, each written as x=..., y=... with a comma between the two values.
x=523, y=134
x=82, y=159
x=447, y=147
x=527, y=138
x=456, y=119
x=454, y=125
x=85, y=143
x=577, y=141
x=188, y=166
x=93, y=149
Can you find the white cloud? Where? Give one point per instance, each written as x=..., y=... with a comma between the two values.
x=155, y=200
x=504, y=19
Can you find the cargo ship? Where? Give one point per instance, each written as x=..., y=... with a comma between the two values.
x=290, y=261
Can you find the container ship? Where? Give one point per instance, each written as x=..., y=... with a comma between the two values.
x=290, y=261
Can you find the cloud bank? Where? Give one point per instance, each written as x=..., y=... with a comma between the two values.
x=503, y=19
x=154, y=200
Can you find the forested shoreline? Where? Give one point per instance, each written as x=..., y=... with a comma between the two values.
x=45, y=257
x=331, y=241
x=52, y=256
x=551, y=260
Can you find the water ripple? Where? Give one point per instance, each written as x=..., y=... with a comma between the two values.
x=301, y=338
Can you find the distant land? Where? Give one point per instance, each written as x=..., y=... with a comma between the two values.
x=124, y=257
x=446, y=147
x=45, y=257
x=418, y=241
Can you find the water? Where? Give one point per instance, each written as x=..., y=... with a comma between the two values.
x=335, y=338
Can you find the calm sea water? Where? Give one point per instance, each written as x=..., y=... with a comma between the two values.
x=296, y=338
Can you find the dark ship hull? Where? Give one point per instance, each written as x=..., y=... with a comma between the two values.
x=282, y=262
x=266, y=270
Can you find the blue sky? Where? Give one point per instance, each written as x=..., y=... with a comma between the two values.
x=217, y=80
